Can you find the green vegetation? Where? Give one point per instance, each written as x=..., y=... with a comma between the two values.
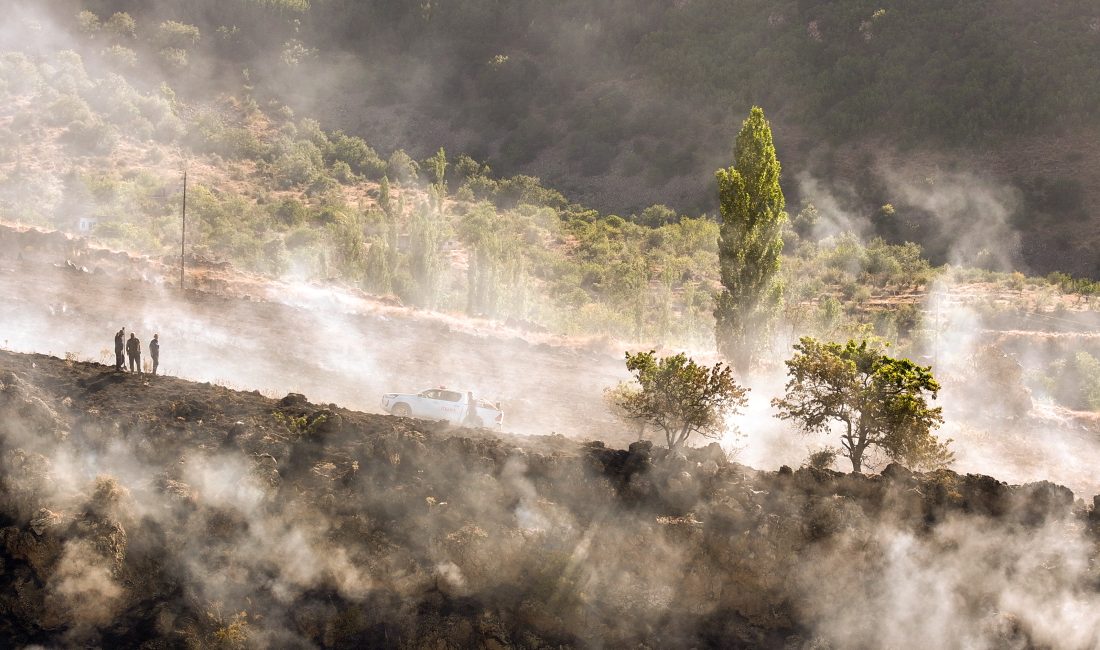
x=1071, y=378
x=881, y=401
x=941, y=69
x=679, y=396
x=280, y=194
x=749, y=243
x=822, y=458
x=627, y=104
x=302, y=426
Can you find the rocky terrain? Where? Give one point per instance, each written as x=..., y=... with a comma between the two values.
x=160, y=513
x=68, y=298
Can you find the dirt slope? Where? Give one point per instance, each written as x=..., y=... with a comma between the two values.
x=162, y=513
x=65, y=298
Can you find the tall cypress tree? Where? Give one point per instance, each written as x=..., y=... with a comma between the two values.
x=749, y=243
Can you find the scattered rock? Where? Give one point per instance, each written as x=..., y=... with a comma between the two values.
x=293, y=399
x=43, y=520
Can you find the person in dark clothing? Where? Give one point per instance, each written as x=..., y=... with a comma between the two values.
x=472, y=419
x=120, y=340
x=154, y=352
x=133, y=350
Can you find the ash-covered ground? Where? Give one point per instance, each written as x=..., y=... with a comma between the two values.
x=161, y=513
x=64, y=297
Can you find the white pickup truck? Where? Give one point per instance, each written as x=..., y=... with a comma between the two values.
x=443, y=404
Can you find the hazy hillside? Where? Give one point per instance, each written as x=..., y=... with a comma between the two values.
x=104, y=131
x=313, y=203
x=159, y=513
x=624, y=104
x=83, y=136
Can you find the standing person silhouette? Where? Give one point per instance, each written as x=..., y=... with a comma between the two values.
x=472, y=419
x=133, y=350
x=154, y=352
x=120, y=344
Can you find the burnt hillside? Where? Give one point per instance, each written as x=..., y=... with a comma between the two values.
x=157, y=512
x=66, y=296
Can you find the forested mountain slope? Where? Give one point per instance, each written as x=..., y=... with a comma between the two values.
x=624, y=104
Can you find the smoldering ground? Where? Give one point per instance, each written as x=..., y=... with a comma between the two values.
x=986, y=344
x=330, y=344
x=999, y=419
x=358, y=536
x=340, y=347
x=196, y=516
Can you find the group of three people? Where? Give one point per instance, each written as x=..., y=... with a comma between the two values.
x=132, y=347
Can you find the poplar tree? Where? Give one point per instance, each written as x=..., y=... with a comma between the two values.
x=376, y=271
x=749, y=243
x=384, y=200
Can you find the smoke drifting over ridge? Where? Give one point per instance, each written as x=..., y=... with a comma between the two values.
x=586, y=547
x=962, y=218
x=982, y=207
x=989, y=344
x=331, y=345
x=363, y=532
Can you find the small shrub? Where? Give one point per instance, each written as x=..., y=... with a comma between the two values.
x=823, y=458
x=401, y=167
x=88, y=23
x=176, y=35
x=67, y=109
x=90, y=136
x=120, y=56
x=122, y=25
x=175, y=57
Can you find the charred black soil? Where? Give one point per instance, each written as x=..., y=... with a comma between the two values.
x=155, y=512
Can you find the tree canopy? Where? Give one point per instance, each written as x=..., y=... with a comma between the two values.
x=750, y=241
x=679, y=396
x=881, y=401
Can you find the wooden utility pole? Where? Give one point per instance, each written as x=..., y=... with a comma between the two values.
x=183, y=228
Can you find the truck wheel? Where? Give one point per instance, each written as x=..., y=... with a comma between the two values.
x=401, y=410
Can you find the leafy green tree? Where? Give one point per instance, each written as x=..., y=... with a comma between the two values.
x=749, y=243
x=346, y=244
x=291, y=212
x=678, y=396
x=480, y=230
x=176, y=35
x=656, y=216
x=384, y=200
x=425, y=258
x=175, y=57
x=300, y=165
x=628, y=288
x=285, y=6
x=310, y=129
x=466, y=167
x=1088, y=369
x=881, y=401
x=376, y=273
x=120, y=56
x=88, y=22
x=341, y=171
x=401, y=167
x=122, y=25
x=437, y=166
x=356, y=153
